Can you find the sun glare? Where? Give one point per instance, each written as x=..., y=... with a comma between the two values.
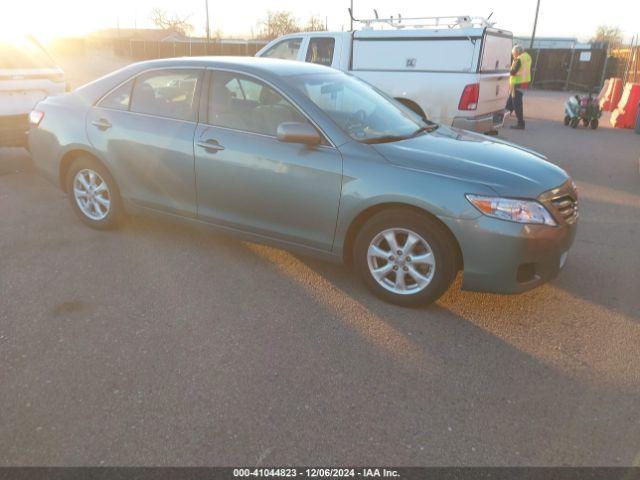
x=18, y=20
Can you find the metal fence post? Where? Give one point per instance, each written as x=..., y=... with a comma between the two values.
x=573, y=54
x=604, y=68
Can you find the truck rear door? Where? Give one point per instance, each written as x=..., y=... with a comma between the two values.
x=493, y=70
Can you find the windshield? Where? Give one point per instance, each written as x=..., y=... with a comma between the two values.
x=363, y=112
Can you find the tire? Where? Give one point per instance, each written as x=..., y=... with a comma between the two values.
x=432, y=243
x=574, y=122
x=585, y=122
x=100, y=206
x=594, y=124
x=567, y=119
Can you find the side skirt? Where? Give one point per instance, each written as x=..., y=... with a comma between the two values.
x=136, y=209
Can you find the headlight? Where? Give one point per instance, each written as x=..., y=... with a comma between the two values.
x=512, y=209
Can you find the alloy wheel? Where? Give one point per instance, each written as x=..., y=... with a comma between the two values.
x=401, y=261
x=92, y=194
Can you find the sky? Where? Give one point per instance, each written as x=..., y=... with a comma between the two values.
x=58, y=18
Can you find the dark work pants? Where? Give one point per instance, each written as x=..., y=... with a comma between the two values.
x=517, y=105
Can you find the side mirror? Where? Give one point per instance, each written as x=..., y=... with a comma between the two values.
x=296, y=132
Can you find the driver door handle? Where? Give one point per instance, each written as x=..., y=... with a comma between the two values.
x=210, y=145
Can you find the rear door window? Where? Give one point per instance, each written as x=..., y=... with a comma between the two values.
x=119, y=98
x=167, y=93
x=286, y=49
x=320, y=50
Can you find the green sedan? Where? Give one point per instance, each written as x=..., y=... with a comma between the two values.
x=313, y=160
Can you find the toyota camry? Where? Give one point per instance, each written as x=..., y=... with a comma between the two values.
x=312, y=160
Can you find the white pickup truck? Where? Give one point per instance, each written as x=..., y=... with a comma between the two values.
x=455, y=73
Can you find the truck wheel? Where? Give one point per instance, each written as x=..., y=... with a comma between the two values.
x=405, y=257
x=594, y=124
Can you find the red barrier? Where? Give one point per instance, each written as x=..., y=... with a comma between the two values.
x=612, y=95
x=624, y=116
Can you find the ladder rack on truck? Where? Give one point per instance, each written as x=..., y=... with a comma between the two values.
x=451, y=21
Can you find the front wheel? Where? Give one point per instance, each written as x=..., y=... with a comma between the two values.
x=594, y=124
x=93, y=193
x=405, y=257
x=567, y=119
x=574, y=122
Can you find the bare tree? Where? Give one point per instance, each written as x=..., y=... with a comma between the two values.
x=315, y=24
x=277, y=24
x=174, y=23
x=608, y=33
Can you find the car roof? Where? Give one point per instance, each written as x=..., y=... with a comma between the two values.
x=256, y=65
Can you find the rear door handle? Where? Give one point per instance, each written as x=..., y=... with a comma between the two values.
x=210, y=145
x=102, y=124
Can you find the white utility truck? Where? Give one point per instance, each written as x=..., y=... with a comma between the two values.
x=452, y=70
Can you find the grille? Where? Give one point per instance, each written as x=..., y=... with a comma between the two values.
x=567, y=207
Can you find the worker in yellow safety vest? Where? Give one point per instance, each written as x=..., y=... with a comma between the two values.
x=518, y=82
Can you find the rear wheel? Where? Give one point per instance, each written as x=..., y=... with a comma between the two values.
x=585, y=122
x=594, y=124
x=93, y=193
x=574, y=122
x=405, y=257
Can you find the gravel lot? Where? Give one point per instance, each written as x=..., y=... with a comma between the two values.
x=160, y=344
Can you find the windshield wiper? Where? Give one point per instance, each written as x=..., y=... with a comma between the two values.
x=426, y=129
x=396, y=138
x=384, y=139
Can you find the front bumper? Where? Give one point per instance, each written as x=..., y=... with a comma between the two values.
x=507, y=257
x=14, y=130
x=482, y=123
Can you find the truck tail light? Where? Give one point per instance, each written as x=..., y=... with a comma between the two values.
x=35, y=117
x=469, y=98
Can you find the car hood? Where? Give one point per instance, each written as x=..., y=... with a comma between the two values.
x=508, y=169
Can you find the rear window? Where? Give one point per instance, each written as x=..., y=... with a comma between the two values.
x=22, y=55
x=320, y=50
x=496, y=53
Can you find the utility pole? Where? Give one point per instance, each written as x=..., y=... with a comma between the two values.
x=351, y=16
x=535, y=24
x=206, y=8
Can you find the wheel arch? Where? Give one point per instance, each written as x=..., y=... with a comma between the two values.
x=68, y=158
x=360, y=219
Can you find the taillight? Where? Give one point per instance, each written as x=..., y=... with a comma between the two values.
x=35, y=117
x=469, y=98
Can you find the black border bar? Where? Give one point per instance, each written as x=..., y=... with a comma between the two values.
x=320, y=473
